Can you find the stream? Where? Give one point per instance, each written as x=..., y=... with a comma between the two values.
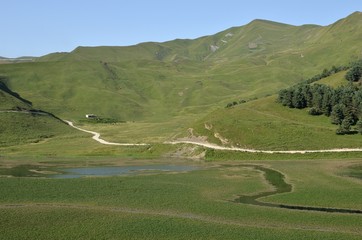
x=276, y=179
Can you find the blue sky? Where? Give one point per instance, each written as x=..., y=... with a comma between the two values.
x=39, y=27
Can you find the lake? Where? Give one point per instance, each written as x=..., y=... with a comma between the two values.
x=120, y=170
x=92, y=171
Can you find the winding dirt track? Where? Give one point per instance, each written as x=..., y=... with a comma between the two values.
x=217, y=147
x=96, y=136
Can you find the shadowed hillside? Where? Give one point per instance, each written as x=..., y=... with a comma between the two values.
x=21, y=124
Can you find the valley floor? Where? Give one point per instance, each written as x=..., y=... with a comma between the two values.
x=198, y=204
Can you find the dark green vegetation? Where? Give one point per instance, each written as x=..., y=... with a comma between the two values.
x=343, y=105
x=189, y=205
x=100, y=120
x=355, y=73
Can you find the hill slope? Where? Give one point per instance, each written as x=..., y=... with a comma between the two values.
x=21, y=124
x=267, y=125
x=155, y=83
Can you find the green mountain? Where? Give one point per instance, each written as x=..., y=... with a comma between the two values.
x=175, y=83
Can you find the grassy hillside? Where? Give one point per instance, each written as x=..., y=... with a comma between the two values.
x=166, y=86
x=19, y=125
x=266, y=124
x=24, y=128
x=9, y=102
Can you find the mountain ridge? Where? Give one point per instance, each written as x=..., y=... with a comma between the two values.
x=184, y=48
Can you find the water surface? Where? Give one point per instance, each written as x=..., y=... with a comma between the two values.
x=90, y=171
x=120, y=170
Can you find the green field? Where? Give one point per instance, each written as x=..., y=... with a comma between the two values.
x=192, y=205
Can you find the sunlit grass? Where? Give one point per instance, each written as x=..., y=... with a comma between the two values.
x=196, y=200
x=266, y=125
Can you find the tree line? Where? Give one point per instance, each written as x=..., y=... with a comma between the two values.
x=343, y=105
x=354, y=74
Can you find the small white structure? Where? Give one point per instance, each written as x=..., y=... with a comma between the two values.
x=253, y=45
x=90, y=116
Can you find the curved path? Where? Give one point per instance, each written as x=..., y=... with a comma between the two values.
x=96, y=136
x=217, y=147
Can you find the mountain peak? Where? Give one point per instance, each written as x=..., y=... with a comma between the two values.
x=355, y=15
x=353, y=20
x=266, y=22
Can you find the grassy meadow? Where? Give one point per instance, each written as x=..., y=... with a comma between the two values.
x=189, y=205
